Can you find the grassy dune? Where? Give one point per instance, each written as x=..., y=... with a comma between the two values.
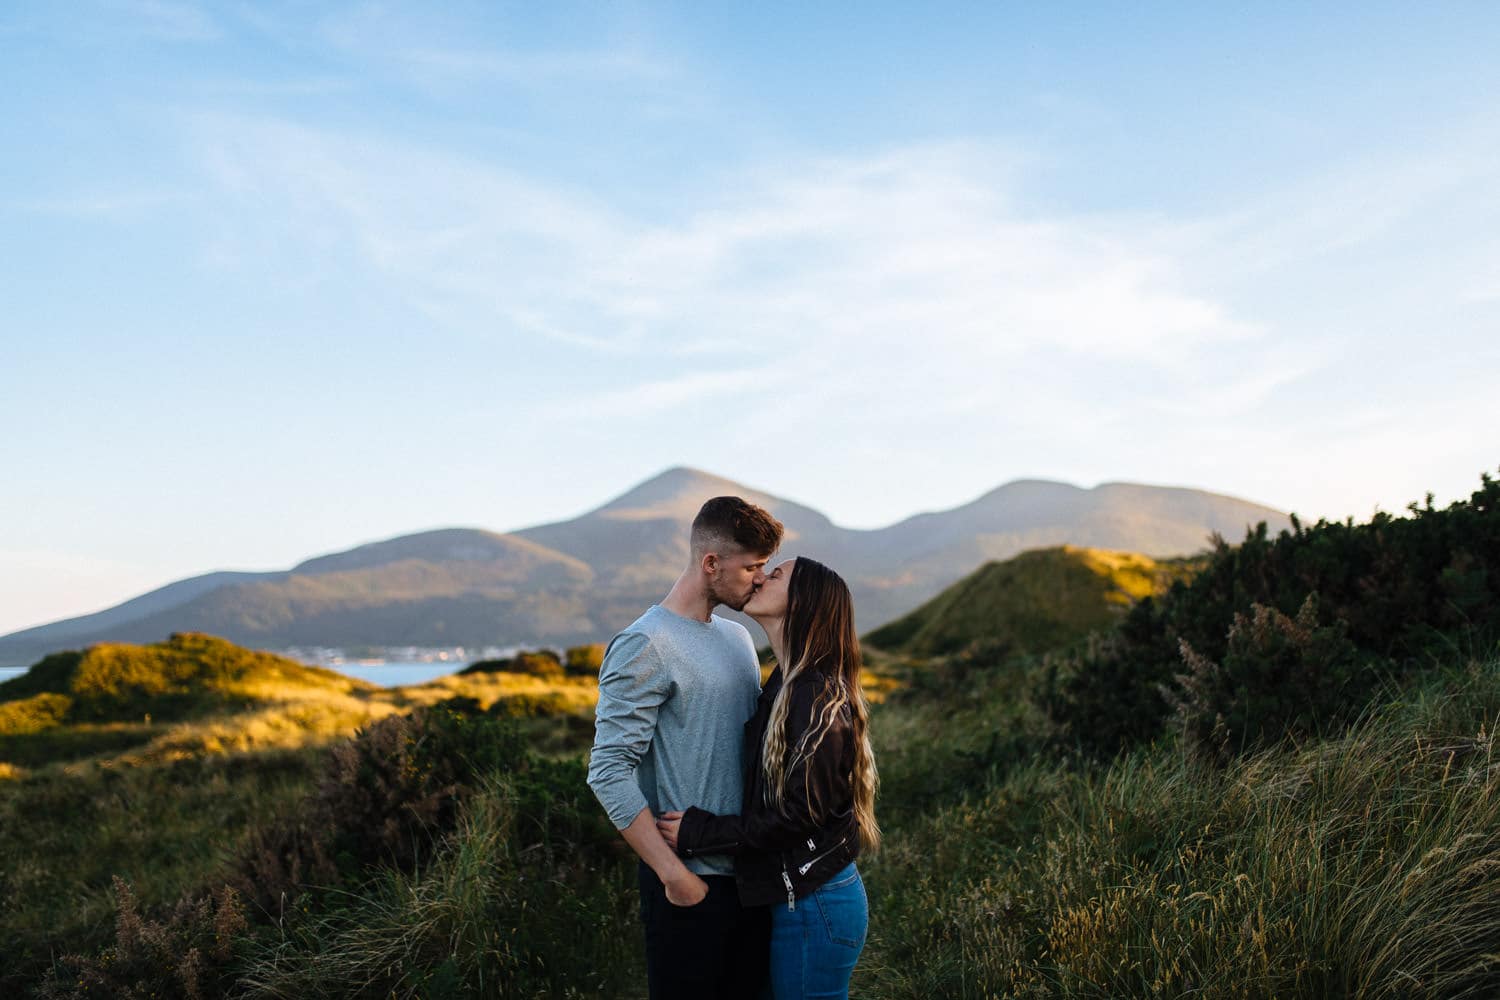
x=156, y=762
x=1036, y=601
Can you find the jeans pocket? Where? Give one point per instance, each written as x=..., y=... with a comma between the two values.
x=845, y=912
x=839, y=883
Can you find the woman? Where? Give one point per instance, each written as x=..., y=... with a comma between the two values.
x=809, y=787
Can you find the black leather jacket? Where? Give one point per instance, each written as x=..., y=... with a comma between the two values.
x=783, y=856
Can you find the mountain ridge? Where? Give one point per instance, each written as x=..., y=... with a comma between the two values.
x=583, y=578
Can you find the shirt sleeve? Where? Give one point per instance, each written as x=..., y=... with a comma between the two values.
x=632, y=687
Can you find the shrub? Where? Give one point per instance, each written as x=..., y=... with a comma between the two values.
x=1410, y=591
x=586, y=660
x=542, y=663
x=32, y=715
x=186, y=956
x=1280, y=676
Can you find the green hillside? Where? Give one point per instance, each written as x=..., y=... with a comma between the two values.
x=1293, y=791
x=1038, y=600
x=187, y=675
x=113, y=697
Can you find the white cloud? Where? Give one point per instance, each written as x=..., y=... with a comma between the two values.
x=904, y=300
x=913, y=247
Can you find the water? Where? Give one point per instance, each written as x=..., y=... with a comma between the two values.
x=392, y=674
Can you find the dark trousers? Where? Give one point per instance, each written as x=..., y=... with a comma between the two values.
x=716, y=949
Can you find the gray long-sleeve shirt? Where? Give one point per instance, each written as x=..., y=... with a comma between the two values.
x=674, y=694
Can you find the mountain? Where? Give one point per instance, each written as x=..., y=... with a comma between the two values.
x=1039, y=600
x=580, y=580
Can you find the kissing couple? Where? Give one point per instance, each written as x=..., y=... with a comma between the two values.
x=747, y=804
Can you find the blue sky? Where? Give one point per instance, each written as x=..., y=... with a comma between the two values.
x=284, y=278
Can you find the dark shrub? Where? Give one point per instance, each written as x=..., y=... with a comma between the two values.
x=1280, y=676
x=1408, y=590
x=185, y=956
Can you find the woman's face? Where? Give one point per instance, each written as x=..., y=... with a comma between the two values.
x=769, y=600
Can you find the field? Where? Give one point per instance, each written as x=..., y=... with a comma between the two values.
x=1247, y=786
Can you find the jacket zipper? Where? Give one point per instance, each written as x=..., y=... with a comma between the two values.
x=804, y=868
x=791, y=898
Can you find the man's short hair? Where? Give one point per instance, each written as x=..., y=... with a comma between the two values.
x=732, y=521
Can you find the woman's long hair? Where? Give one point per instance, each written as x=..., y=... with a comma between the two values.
x=818, y=639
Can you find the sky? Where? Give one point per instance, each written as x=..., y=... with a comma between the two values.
x=283, y=278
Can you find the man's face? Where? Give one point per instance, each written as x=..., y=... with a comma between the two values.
x=735, y=577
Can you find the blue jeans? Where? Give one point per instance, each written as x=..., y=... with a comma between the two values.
x=815, y=946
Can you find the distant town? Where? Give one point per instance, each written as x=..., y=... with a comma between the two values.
x=374, y=656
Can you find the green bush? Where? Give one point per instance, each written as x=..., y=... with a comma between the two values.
x=39, y=712
x=1410, y=591
x=1280, y=677
x=542, y=663
x=586, y=660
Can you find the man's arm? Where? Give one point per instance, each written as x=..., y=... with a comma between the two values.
x=684, y=888
x=632, y=687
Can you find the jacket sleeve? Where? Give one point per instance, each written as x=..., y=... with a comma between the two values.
x=760, y=827
x=632, y=687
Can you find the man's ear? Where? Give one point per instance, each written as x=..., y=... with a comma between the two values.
x=710, y=563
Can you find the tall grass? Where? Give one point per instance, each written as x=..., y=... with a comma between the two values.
x=503, y=911
x=66, y=832
x=1365, y=866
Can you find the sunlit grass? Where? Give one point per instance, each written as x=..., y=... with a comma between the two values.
x=1037, y=601
x=564, y=694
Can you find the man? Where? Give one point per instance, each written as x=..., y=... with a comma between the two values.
x=675, y=690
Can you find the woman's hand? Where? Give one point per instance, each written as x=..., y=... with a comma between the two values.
x=667, y=824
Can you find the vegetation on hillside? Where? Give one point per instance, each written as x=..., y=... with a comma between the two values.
x=1039, y=600
x=1287, y=787
x=1298, y=630
x=1364, y=866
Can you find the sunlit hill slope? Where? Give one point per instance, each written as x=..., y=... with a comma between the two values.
x=1039, y=600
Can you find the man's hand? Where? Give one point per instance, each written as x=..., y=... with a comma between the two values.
x=688, y=890
x=667, y=825
x=683, y=887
